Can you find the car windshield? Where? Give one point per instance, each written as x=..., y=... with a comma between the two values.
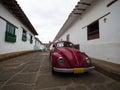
x=64, y=44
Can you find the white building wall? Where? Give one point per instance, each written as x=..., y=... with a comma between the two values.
x=107, y=47
x=19, y=45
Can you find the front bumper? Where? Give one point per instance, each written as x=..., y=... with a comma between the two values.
x=73, y=70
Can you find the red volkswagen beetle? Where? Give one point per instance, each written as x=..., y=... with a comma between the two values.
x=66, y=59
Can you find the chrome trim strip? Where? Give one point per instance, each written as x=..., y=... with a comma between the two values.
x=64, y=70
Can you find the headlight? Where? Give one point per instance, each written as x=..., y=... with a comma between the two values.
x=87, y=60
x=60, y=60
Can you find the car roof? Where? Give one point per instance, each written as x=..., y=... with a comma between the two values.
x=60, y=41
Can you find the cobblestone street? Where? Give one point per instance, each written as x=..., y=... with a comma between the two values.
x=33, y=72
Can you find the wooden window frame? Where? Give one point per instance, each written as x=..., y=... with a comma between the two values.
x=31, y=39
x=10, y=33
x=24, y=35
x=93, y=31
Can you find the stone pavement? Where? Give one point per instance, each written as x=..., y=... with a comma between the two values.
x=33, y=72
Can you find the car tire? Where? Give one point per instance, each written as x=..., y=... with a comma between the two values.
x=53, y=72
x=52, y=64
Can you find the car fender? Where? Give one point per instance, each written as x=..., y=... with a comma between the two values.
x=55, y=62
x=55, y=57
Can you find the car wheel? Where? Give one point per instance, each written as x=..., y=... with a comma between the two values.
x=53, y=72
x=52, y=65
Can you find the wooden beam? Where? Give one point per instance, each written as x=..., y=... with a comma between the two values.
x=97, y=19
x=83, y=3
x=80, y=9
x=109, y=4
x=77, y=13
x=8, y=22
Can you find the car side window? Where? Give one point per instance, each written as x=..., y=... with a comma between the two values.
x=64, y=44
x=68, y=44
x=60, y=44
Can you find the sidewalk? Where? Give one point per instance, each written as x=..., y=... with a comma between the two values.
x=110, y=69
x=14, y=54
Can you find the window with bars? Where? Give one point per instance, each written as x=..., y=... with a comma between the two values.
x=10, y=33
x=93, y=31
x=24, y=36
x=31, y=39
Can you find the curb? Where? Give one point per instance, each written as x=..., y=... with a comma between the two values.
x=15, y=54
x=109, y=69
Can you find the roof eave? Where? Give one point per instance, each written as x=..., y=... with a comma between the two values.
x=79, y=9
x=14, y=7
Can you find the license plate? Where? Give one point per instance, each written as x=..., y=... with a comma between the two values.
x=79, y=70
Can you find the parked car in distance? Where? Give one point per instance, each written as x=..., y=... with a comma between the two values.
x=66, y=59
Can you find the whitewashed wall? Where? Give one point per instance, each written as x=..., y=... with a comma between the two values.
x=19, y=45
x=107, y=47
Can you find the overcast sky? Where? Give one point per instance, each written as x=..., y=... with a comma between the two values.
x=47, y=16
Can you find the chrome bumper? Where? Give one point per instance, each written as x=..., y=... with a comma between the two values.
x=73, y=70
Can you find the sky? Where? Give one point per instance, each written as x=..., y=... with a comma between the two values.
x=47, y=16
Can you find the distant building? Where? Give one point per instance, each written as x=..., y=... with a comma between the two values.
x=38, y=45
x=94, y=26
x=16, y=31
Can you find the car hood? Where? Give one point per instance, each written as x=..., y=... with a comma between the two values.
x=74, y=57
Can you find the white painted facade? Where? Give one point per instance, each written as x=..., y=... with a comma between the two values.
x=107, y=47
x=19, y=45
